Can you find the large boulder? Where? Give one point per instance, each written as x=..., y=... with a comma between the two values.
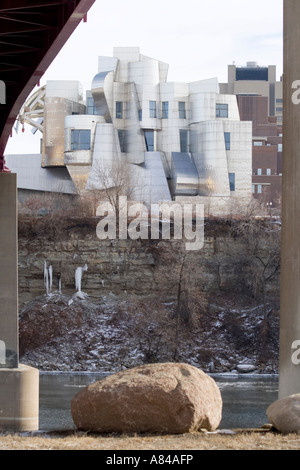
x=169, y=398
x=284, y=414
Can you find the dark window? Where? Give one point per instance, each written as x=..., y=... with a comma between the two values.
x=232, y=181
x=165, y=110
x=149, y=138
x=227, y=140
x=123, y=140
x=91, y=109
x=152, y=109
x=248, y=73
x=184, y=141
x=221, y=110
x=119, y=110
x=181, y=109
x=140, y=114
x=80, y=139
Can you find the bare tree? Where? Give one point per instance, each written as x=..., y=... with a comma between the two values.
x=149, y=324
x=262, y=239
x=182, y=275
x=111, y=182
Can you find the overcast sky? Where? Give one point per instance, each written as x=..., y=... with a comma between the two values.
x=197, y=38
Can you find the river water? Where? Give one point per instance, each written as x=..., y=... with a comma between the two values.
x=245, y=398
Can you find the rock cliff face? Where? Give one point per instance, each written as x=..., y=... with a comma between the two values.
x=132, y=266
x=146, y=301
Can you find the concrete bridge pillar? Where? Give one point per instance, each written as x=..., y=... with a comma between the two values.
x=289, y=368
x=19, y=384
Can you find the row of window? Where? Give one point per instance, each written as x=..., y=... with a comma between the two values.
x=261, y=172
x=81, y=140
x=183, y=138
x=221, y=109
x=153, y=110
x=260, y=143
x=164, y=110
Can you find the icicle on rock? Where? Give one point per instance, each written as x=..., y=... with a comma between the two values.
x=50, y=270
x=48, y=278
x=78, y=278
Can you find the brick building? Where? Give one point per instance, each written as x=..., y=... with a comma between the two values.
x=267, y=148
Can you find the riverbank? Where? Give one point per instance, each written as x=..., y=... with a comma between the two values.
x=261, y=439
x=147, y=301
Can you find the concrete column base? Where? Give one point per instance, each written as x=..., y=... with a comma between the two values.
x=19, y=399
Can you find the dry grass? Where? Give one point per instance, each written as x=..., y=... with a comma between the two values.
x=241, y=440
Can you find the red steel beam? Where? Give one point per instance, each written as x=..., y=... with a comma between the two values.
x=29, y=4
x=78, y=13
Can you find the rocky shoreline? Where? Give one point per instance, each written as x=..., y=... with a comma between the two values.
x=111, y=334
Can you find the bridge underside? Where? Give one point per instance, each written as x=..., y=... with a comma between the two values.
x=32, y=32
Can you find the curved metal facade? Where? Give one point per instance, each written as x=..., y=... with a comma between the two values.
x=176, y=140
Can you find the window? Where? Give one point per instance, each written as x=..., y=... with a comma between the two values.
x=258, y=144
x=152, y=109
x=221, y=110
x=80, y=139
x=227, y=140
x=149, y=138
x=269, y=172
x=181, y=109
x=123, y=141
x=91, y=109
x=253, y=188
x=259, y=189
x=232, y=181
x=184, y=146
x=252, y=73
x=119, y=110
x=165, y=110
x=140, y=114
x=259, y=172
x=279, y=147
